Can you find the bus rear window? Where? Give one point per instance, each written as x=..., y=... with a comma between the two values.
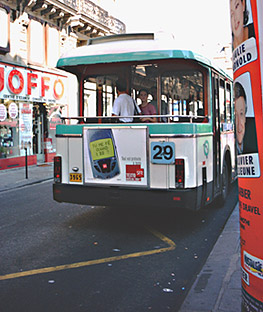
x=184, y=92
x=177, y=92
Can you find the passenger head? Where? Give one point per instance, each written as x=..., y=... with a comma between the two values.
x=143, y=91
x=121, y=87
x=143, y=95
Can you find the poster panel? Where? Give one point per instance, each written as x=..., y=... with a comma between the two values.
x=25, y=128
x=246, y=24
x=116, y=155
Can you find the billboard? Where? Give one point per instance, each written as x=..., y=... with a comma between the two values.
x=246, y=24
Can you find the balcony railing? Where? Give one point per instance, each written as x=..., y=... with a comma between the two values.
x=70, y=3
x=92, y=11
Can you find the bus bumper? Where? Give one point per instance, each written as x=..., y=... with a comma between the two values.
x=117, y=196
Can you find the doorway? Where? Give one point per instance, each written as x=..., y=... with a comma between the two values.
x=39, y=130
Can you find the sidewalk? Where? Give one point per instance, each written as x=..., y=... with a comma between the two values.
x=217, y=287
x=14, y=178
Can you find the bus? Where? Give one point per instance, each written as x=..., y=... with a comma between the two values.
x=185, y=159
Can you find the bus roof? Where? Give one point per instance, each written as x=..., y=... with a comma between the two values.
x=127, y=48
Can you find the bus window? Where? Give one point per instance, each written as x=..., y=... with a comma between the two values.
x=222, y=101
x=184, y=91
x=90, y=99
x=225, y=105
x=108, y=95
x=144, y=76
x=99, y=94
x=228, y=104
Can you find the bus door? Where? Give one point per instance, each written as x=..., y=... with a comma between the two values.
x=216, y=133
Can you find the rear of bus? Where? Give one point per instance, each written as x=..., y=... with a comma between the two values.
x=177, y=161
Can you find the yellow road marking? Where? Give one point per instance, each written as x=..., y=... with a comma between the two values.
x=165, y=239
x=161, y=236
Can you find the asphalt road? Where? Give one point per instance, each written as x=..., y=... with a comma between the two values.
x=64, y=257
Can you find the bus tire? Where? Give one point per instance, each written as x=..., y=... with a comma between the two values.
x=225, y=184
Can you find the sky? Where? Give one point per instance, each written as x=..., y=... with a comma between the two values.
x=200, y=25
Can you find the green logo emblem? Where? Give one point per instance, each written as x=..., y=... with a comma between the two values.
x=206, y=148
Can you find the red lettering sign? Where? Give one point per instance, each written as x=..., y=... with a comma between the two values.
x=12, y=74
x=31, y=84
x=2, y=78
x=134, y=172
x=44, y=86
x=58, y=89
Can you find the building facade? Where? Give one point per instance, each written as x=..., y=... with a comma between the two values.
x=34, y=95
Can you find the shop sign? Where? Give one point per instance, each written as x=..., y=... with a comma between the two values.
x=22, y=84
x=13, y=110
x=2, y=112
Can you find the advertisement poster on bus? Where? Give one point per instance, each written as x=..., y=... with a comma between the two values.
x=247, y=37
x=115, y=155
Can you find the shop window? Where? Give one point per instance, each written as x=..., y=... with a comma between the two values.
x=36, y=42
x=5, y=30
x=9, y=129
x=52, y=45
x=54, y=114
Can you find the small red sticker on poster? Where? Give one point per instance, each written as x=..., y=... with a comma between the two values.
x=134, y=173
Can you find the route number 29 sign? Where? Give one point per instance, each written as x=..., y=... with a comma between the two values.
x=162, y=152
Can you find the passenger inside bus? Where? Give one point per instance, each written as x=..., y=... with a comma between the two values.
x=124, y=105
x=146, y=107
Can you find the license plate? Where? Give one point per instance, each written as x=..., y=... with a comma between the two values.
x=75, y=177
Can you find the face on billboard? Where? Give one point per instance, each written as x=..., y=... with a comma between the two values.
x=237, y=8
x=242, y=28
x=240, y=111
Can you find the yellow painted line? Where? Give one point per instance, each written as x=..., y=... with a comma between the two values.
x=161, y=236
x=93, y=262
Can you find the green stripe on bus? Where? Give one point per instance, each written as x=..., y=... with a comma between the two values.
x=153, y=128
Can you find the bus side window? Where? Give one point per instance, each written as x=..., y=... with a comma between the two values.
x=228, y=104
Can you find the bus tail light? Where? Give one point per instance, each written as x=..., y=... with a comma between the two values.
x=179, y=173
x=57, y=169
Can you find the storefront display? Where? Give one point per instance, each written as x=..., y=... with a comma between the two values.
x=9, y=132
x=31, y=104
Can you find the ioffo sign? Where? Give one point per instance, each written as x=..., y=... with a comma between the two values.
x=29, y=85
